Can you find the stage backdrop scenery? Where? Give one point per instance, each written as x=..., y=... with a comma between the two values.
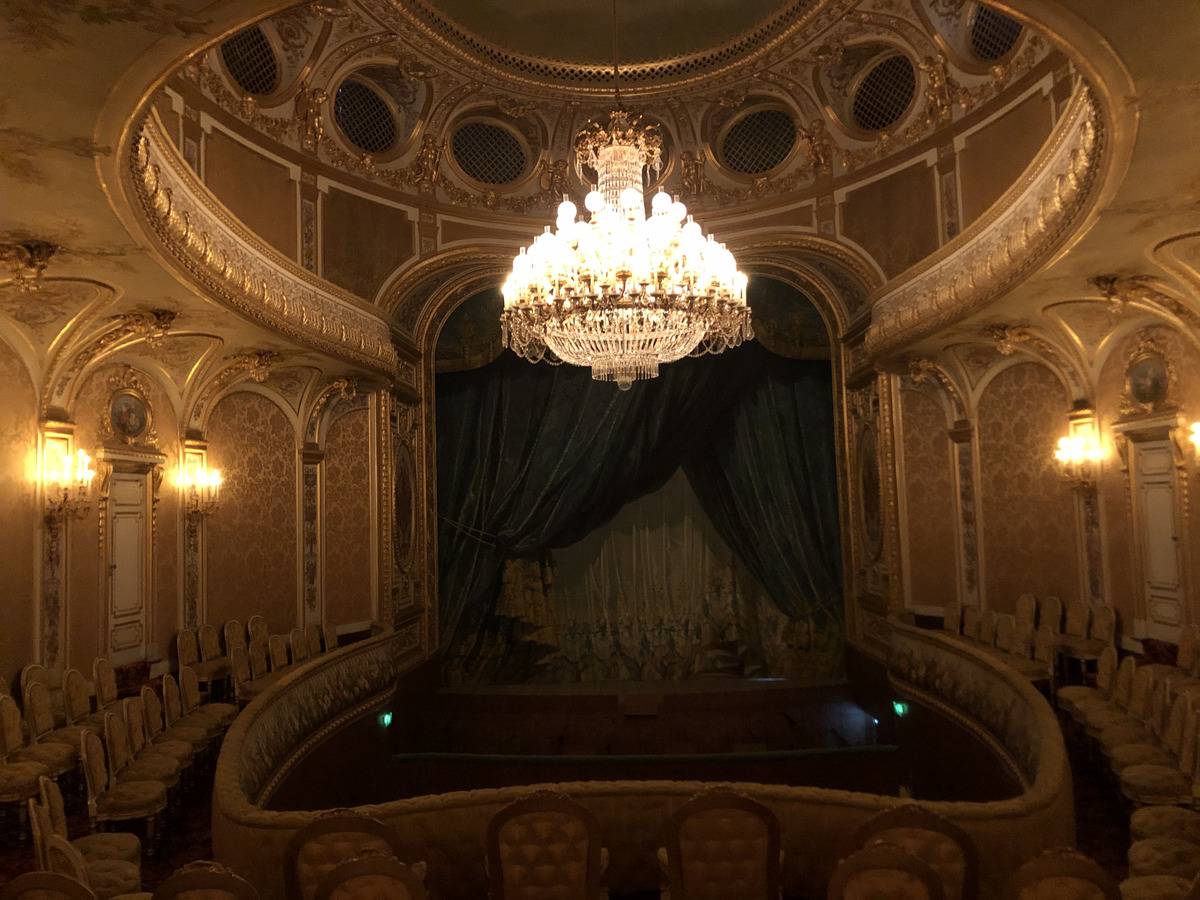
x=685, y=528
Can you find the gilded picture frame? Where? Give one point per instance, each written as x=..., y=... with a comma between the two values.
x=129, y=414
x=1149, y=380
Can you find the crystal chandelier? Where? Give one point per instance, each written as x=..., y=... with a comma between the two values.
x=623, y=292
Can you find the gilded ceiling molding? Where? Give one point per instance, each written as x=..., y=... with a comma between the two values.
x=236, y=268
x=925, y=371
x=1124, y=292
x=1005, y=245
x=1023, y=338
x=27, y=261
x=235, y=369
x=315, y=424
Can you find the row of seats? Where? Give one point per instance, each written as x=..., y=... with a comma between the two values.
x=68, y=880
x=1141, y=723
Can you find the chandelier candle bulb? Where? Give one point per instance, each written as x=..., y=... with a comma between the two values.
x=623, y=292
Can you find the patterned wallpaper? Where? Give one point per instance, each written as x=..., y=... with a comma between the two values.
x=18, y=446
x=1028, y=520
x=348, y=519
x=252, y=538
x=930, y=498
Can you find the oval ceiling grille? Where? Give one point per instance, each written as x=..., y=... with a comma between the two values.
x=364, y=117
x=488, y=153
x=884, y=94
x=759, y=142
x=251, y=62
x=993, y=34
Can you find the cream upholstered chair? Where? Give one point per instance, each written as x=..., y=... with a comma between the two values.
x=260, y=666
x=39, y=716
x=1169, y=821
x=1095, y=711
x=1159, y=887
x=312, y=636
x=278, y=652
x=205, y=880
x=124, y=768
x=32, y=673
x=104, y=680
x=372, y=876
x=1050, y=614
x=256, y=629
x=235, y=635
x=187, y=647
x=1041, y=666
x=935, y=840
x=157, y=732
x=1165, y=785
x=1071, y=695
x=140, y=747
x=884, y=871
x=987, y=628
x=952, y=616
x=107, y=878
x=1027, y=610
x=57, y=758
x=299, y=645
x=102, y=845
x=77, y=703
x=173, y=711
x=245, y=688
x=332, y=838
x=545, y=846
x=1159, y=753
x=221, y=713
x=1147, y=729
x=1132, y=714
x=722, y=844
x=1164, y=855
x=1060, y=873
x=18, y=783
x=971, y=621
x=45, y=886
x=329, y=632
x=110, y=801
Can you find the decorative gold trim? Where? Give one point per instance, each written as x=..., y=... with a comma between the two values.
x=235, y=268
x=128, y=390
x=1002, y=247
x=1150, y=379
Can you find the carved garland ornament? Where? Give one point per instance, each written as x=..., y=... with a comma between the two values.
x=227, y=260
x=1003, y=246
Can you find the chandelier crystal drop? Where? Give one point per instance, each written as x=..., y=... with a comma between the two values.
x=623, y=292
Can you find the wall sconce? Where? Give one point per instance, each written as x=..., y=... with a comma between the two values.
x=201, y=487
x=1194, y=437
x=68, y=483
x=1078, y=457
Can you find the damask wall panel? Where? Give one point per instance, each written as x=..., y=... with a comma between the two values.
x=251, y=564
x=895, y=219
x=1123, y=589
x=348, y=519
x=1027, y=512
x=259, y=192
x=995, y=156
x=363, y=242
x=84, y=596
x=929, y=495
x=19, y=519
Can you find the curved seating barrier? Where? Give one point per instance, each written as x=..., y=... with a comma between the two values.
x=448, y=831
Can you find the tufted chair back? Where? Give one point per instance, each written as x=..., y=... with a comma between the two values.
x=373, y=876
x=884, y=870
x=1060, y=873
x=205, y=880
x=45, y=886
x=939, y=843
x=329, y=840
x=721, y=844
x=235, y=636
x=544, y=847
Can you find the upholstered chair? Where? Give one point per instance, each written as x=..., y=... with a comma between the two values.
x=1100, y=632
x=1027, y=610
x=39, y=716
x=1039, y=668
x=1133, y=711
x=260, y=666
x=722, y=844
x=77, y=703
x=884, y=870
x=1050, y=614
x=110, y=801
x=1159, y=753
x=187, y=647
x=987, y=628
x=189, y=685
x=1070, y=696
x=140, y=747
x=235, y=635
x=107, y=878
x=102, y=845
x=35, y=673
x=213, y=665
x=332, y=838
x=1159, y=887
x=1060, y=873
x=299, y=645
x=104, y=680
x=1091, y=712
x=45, y=886
x=245, y=688
x=935, y=840
x=1166, y=785
x=124, y=768
x=972, y=616
x=1146, y=730
x=1164, y=855
x=57, y=758
x=312, y=636
x=1169, y=821
x=256, y=629
x=952, y=616
x=205, y=880
x=173, y=713
x=18, y=783
x=1006, y=635
x=373, y=876
x=329, y=632
x=545, y=847
x=278, y=652
x=157, y=732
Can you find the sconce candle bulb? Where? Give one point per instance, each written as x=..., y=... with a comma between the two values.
x=68, y=482
x=201, y=488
